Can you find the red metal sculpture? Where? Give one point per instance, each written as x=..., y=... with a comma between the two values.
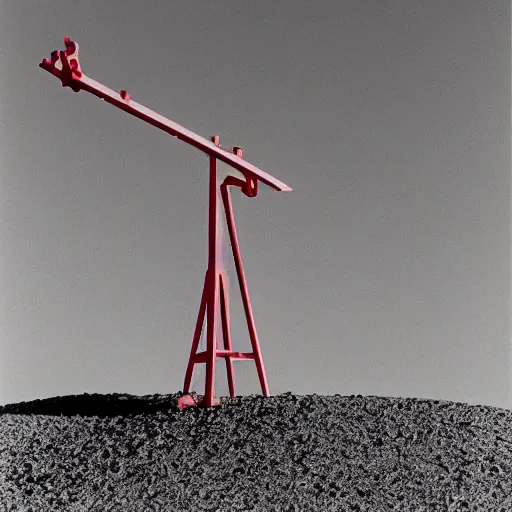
x=214, y=301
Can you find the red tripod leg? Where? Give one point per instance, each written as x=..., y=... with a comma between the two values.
x=228, y=208
x=224, y=311
x=197, y=336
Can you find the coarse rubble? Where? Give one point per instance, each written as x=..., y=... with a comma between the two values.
x=126, y=453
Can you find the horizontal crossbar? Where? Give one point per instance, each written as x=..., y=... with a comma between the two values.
x=201, y=357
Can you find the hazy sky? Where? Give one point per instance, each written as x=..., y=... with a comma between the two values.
x=386, y=271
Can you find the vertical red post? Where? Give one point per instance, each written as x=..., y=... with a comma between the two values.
x=228, y=209
x=213, y=282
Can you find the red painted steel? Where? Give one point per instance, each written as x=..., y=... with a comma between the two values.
x=214, y=299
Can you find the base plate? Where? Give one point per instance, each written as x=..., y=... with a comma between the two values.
x=188, y=401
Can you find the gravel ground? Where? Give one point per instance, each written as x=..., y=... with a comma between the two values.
x=284, y=453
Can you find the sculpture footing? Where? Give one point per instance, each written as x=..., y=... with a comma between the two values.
x=188, y=401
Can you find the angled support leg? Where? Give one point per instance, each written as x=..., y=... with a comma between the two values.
x=197, y=336
x=228, y=208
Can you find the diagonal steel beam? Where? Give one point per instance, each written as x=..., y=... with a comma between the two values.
x=65, y=66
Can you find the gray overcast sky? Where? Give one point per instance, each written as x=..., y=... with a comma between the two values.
x=386, y=271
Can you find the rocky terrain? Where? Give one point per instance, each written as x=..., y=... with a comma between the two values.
x=283, y=453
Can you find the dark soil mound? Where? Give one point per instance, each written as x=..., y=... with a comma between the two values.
x=284, y=453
